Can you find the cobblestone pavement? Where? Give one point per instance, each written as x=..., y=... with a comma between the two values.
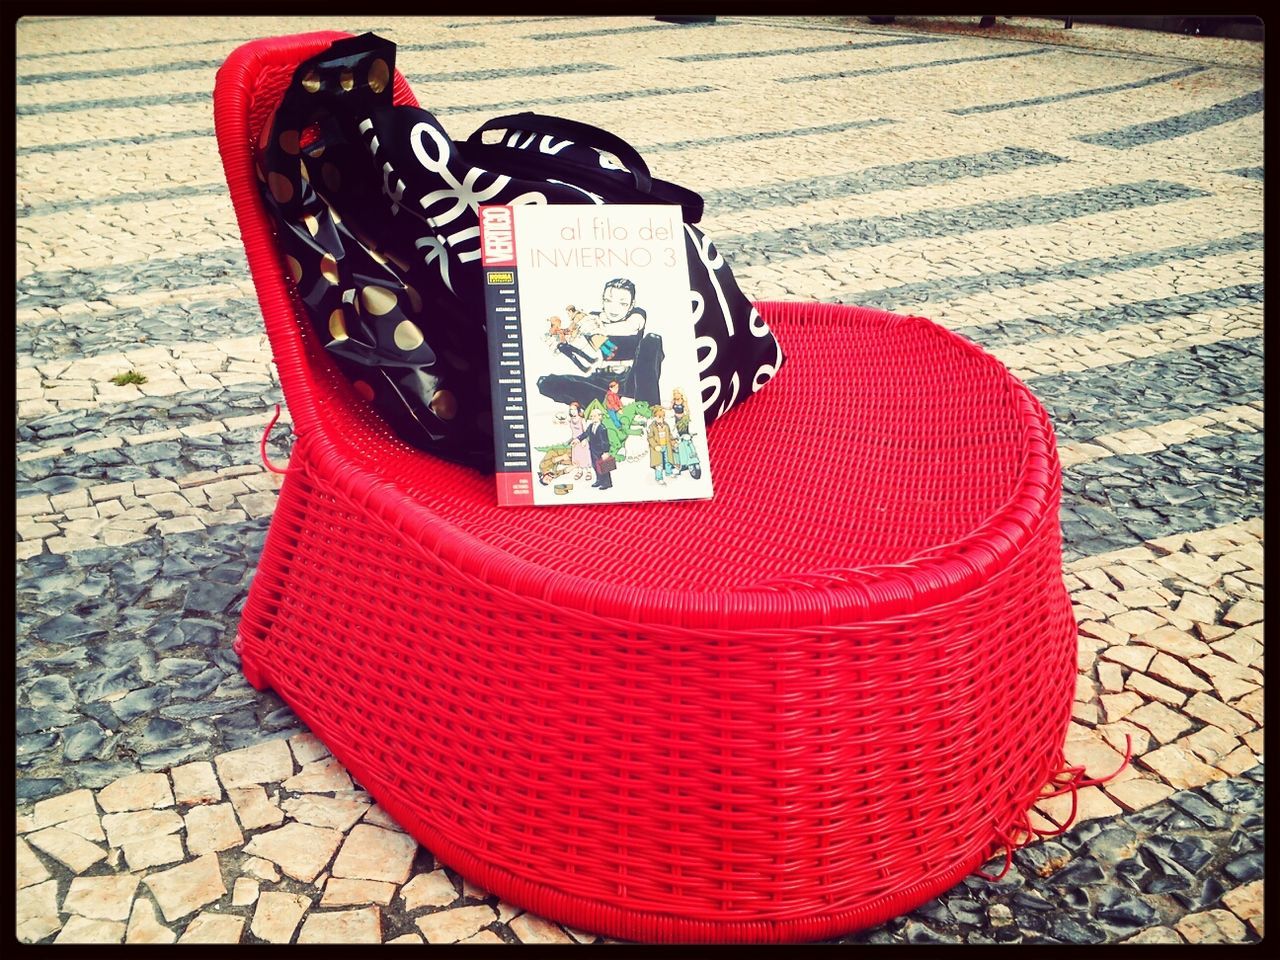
x=1087, y=204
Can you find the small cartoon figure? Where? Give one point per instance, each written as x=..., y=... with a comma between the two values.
x=613, y=402
x=579, y=453
x=597, y=437
x=679, y=411
x=562, y=338
x=599, y=341
x=662, y=450
x=553, y=466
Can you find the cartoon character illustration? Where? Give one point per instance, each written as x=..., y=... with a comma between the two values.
x=687, y=456
x=578, y=450
x=597, y=438
x=613, y=403
x=562, y=338
x=555, y=463
x=679, y=411
x=627, y=353
x=662, y=450
x=599, y=342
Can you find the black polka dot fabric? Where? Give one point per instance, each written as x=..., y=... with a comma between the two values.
x=377, y=217
x=395, y=329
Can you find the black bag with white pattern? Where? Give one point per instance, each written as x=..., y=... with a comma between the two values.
x=377, y=215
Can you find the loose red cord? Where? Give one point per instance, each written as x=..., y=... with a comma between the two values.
x=266, y=462
x=1076, y=780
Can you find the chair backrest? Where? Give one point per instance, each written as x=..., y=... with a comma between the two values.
x=248, y=87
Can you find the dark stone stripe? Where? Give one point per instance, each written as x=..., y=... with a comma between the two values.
x=201, y=96
x=171, y=193
x=46, y=286
x=72, y=285
x=142, y=138
x=136, y=140
x=796, y=51
x=1179, y=126
x=765, y=246
x=1216, y=831
x=902, y=297
x=176, y=321
x=1253, y=173
x=113, y=103
x=157, y=616
x=110, y=72
x=1029, y=329
x=132, y=49
x=1115, y=502
x=891, y=177
x=774, y=23
x=506, y=73
x=220, y=318
x=61, y=287
x=875, y=71
x=1084, y=404
x=763, y=135
x=1095, y=91
x=107, y=73
x=599, y=97
x=503, y=23
x=610, y=31
x=897, y=176
x=163, y=458
x=1162, y=60
x=141, y=196
x=441, y=45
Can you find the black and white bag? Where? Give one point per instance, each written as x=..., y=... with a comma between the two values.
x=377, y=213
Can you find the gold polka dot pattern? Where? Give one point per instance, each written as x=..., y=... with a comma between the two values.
x=379, y=75
x=444, y=405
x=378, y=301
x=407, y=336
x=329, y=269
x=280, y=187
x=337, y=325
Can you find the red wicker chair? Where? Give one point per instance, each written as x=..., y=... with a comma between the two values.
x=798, y=709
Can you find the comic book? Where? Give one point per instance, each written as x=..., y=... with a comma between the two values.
x=592, y=354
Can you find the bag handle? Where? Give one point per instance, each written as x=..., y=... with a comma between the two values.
x=582, y=133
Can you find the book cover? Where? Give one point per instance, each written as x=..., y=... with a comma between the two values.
x=596, y=395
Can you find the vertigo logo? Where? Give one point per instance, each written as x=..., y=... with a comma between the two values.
x=497, y=236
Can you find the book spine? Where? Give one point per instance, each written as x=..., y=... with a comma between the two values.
x=512, y=452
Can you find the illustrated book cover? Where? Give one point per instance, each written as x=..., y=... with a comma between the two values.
x=592, y=354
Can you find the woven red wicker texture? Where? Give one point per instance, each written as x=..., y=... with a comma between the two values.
x=800, y=708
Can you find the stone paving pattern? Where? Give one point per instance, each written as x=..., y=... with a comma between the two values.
x=1086, y=204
